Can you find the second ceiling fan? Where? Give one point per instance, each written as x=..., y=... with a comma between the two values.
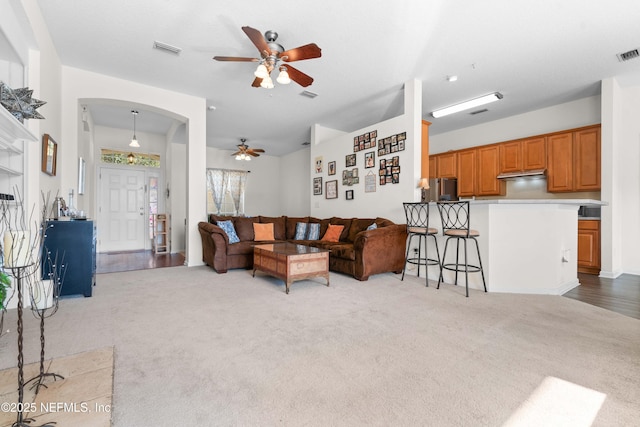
x=271, y=53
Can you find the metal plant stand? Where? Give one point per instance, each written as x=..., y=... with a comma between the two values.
x=41, y=309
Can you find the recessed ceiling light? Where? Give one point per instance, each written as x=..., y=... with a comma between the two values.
x=452, y=78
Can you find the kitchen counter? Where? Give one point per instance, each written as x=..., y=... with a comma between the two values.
x=527, y=246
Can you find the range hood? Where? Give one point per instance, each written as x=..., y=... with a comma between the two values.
x=523, y=174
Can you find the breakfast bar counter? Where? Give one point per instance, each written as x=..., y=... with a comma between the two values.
x=527, y=246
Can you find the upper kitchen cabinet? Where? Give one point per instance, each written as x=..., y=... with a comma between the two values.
x=587, y=159
x=488, y=168
x=433, y=171
x=467, y=172
x=523, y=155
x=573, y=160
x=446, y=165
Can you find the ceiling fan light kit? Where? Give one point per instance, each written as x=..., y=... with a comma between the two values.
x=486, y=99
x=245, y=153
x=271, y=53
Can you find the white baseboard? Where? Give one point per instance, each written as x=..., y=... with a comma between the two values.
x=611, y=274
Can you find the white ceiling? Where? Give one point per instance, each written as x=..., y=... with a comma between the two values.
x=536, y=54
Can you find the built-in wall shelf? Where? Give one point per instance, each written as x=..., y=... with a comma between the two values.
x=13, y=137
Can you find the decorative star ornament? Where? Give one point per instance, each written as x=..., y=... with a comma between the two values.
x=20, y=103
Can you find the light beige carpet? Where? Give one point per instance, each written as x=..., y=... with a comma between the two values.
x=193, y=347
x=82, y=398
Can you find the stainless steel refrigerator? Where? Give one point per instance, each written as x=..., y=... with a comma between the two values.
x=442, y=189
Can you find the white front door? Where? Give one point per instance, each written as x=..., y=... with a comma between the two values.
x=121, y=211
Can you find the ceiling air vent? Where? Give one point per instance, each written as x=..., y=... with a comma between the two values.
x=166, y=47
x=625, y=56
x=473, y=113
x=308, y=94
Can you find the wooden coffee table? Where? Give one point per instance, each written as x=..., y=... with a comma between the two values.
x=291, y=262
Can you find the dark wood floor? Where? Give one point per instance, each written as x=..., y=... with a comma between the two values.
x=112, y=262
x=621, y=294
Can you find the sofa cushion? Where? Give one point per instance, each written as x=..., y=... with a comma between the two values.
x=324, y=224
x=313, y=231
x=291, y=225
x=279, y=226
x=213, y=218
x=263, y=232
x=344, y=251
x=244, y=227
x=333, y=233
x=358, y=225
x=301, y=231
x=227, y=227
x=383, y=222
x=241, y=248
x=346, y=223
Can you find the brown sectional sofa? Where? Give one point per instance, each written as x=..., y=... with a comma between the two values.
x=359, y=253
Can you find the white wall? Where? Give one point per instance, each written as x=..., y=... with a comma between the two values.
x=387, y=200
x=295, y=183
x=629, y=173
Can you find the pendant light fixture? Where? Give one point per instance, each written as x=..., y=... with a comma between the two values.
x=134, y=140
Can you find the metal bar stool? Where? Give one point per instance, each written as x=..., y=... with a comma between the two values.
x=455, y=225
x=417, y=215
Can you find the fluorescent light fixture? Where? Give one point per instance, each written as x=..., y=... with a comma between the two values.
x=467, y=105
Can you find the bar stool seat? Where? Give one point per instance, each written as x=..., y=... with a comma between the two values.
x=417, y=215
x=455, y=218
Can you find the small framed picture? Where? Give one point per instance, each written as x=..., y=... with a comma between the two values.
x=317, y=186
x=331, y=189
x=318, y=164
x=331, y=166
x=370, y=159
x=350, y=160
x=349, y=195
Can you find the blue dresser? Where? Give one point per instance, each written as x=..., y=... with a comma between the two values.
x=73, y=244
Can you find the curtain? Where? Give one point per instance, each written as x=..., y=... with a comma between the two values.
x=237, y=180
x=218, y=185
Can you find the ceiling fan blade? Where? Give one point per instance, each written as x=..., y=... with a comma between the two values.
x=298, y=76
x=257, y=150
x=251, y=153
x=256, y=82
x=258, y=40
x=236, y=153
x=307, y=51
x=235, y=58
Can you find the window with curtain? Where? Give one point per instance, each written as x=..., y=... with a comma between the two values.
x=225, y=191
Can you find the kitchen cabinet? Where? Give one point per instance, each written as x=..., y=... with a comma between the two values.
x=433, y=172
x=446, y=164
x=488, y=165
x=71, y=245
x=587, y=159
x=560, y=162
x=467, y=172
x=589, y=246
x=523, y=155
x=573, y=160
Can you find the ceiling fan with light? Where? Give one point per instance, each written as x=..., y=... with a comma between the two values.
x=245, y=153
x=271, y=53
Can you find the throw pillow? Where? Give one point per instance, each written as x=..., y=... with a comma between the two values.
x=263, y=232
x=301, y=231
x=227, y=227
x=372, y=226
x=333, y=233
x=313, y=231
